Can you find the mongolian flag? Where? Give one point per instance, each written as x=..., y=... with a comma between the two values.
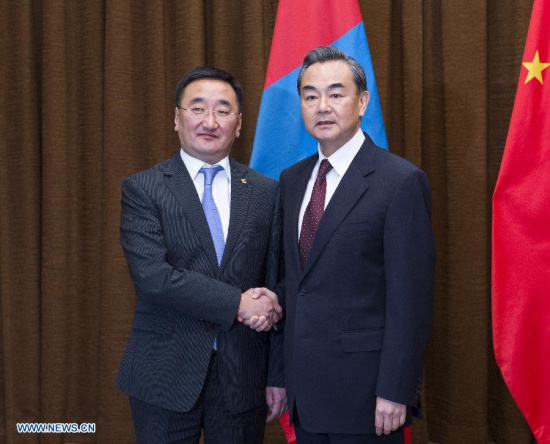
x=301, y=25
x=521, y=236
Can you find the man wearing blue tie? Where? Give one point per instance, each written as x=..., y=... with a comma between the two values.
x=199, y=233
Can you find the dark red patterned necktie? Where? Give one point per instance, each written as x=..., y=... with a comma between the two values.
x=314, y=211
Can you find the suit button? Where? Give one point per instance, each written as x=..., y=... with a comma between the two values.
x=302, y=292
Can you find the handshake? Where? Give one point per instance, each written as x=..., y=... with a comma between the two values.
x=259, y=309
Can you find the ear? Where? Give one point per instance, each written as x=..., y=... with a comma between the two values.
x=238, y=129
x=176, y=120
x=363, y=102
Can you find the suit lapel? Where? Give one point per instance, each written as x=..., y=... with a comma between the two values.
x=241, y=192
x=180, y=183
x=352, y=186
x=296, y=189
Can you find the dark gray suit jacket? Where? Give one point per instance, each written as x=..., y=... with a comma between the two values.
x=358, y=316
x=185, y=300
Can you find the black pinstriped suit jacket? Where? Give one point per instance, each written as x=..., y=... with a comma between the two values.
x=184, y=299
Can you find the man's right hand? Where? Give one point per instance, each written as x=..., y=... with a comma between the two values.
x=259, y=309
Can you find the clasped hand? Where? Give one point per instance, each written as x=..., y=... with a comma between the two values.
x=259, y=309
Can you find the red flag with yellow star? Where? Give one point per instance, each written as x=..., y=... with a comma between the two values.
x=521, y=236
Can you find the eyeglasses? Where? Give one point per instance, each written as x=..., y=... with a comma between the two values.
x=203, y=112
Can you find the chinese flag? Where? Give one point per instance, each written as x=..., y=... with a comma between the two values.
x=521, y=236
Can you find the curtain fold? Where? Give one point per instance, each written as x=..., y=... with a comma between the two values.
x=87, y=95
x=20, y=213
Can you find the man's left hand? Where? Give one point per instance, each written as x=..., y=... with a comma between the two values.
x=275, y=398
x=389, y=416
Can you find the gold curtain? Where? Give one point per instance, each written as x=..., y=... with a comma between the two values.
x=87, y=98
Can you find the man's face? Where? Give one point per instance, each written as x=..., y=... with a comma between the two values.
x=331, y=108
x=208, y=137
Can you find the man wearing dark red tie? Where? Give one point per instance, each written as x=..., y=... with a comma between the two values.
x=359, y=259
x=199, y=233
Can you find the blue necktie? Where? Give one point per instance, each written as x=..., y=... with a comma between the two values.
x=211, y=211
x=213, y=216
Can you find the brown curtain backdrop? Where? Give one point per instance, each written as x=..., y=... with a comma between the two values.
x=87, y=98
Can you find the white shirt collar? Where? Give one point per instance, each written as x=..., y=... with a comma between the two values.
x=194, y=165
x=342, y=157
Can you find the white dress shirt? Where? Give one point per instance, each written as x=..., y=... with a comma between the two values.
x=221, y=185
x=340, y=161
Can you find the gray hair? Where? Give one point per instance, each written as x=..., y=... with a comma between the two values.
x=328, y=53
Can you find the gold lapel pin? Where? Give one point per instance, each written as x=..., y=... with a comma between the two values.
x=243, y=180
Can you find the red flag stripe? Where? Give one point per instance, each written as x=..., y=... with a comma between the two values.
x=288, y=429
x=408, y=435
x=301, y=26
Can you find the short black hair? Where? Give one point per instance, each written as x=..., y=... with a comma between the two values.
x=329, y=53
x=209, y=72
